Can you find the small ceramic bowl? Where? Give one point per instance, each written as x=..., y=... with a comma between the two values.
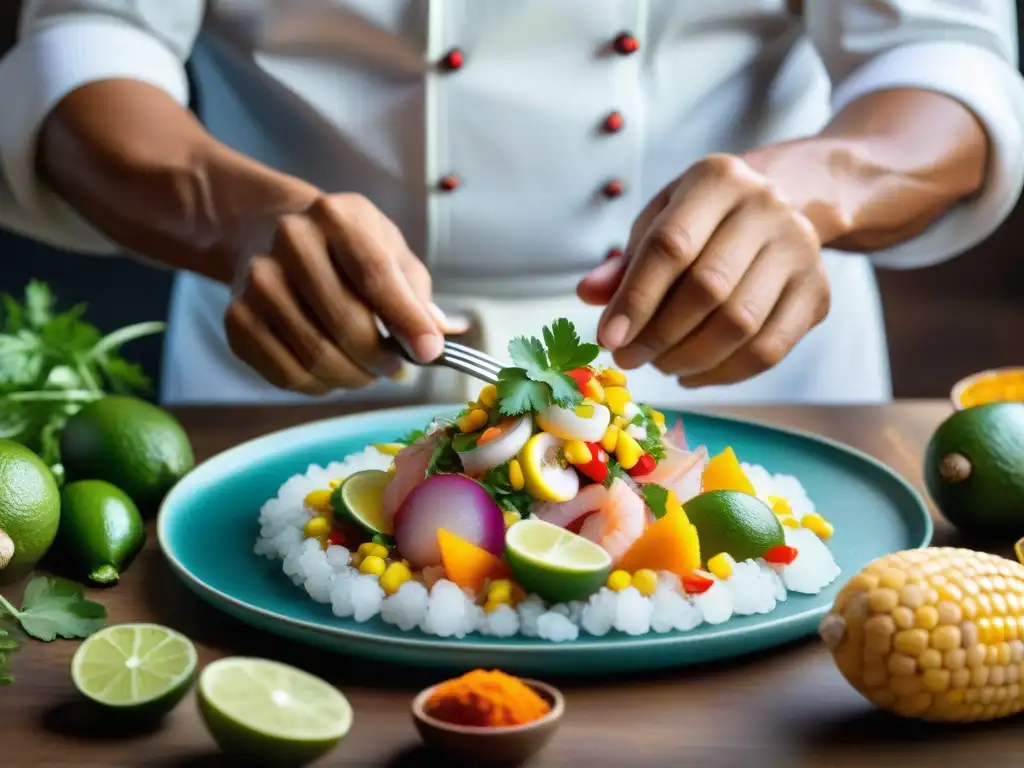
x=1003, y=384
x=508, y=746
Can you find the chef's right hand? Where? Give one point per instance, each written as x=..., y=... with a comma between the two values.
x=305, y=318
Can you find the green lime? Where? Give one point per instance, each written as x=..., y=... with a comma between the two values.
x=737, y=523
x=554, y=563
x=138, y=447
x=29, y=510
x=101, y=528
x=138, y=670
x=974, y=469
x=359, y=500
x=271, y=713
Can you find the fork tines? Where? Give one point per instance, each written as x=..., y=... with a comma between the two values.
x=471, y=361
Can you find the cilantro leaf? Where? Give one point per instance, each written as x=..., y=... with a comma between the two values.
x=496, y=482
x=444, y=460
x=38, y=303
x=53, y=607
x=528, y=353
x=656, y=499
x=519, y=394
x=564, y=391
x=565, y=352
x=411, y=437
x=615, y=471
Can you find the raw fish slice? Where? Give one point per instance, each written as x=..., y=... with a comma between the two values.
x=676, y=437
x=410, y=470
x=620, y=521
x=674, y=466
x=564, y=513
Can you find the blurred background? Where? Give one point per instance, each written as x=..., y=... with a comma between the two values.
x=943, y=322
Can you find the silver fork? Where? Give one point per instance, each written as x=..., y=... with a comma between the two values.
x=458, y=357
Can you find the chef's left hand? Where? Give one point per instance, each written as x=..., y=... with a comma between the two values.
x=720, y=279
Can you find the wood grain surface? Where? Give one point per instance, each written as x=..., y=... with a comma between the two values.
x=787, y=707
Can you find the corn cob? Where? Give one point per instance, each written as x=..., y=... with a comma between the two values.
x=936, y=634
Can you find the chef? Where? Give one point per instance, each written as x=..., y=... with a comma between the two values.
x=702, y=186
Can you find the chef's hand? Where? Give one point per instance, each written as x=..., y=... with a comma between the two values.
x=305, y=318
x=721, y=278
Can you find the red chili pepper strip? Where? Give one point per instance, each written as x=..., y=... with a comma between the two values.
x=577, y=525
x=336, y=538
x=780, y=555
x=697, y=582
x=644, y=466
x=597, y=468
x=581, y=376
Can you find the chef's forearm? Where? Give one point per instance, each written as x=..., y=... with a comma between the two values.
x=883, y=169
x=140, y=168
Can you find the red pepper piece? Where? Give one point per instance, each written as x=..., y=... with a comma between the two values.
x=644, y=466
x=336, y=538
x=577, y=525
x=780, y=555
x=581, y=376
x=697, y=582
x=597, y=468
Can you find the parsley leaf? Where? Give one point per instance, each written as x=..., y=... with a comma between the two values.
x=656, y=499
x=496, y=482
x=53, y=607
x=444, y=460
x=539, y=378
x=615, y=471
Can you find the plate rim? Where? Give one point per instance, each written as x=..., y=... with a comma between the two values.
x=468, y=643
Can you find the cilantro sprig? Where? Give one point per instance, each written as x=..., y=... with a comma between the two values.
x=53, y=363
x=539, y=377
x=51, y=607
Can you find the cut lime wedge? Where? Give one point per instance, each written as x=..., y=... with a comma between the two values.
x=144, y=669
x=554, y=563
x=271, y=712
x=359, y=500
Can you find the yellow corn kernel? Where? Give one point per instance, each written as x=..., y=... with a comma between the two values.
x=611, y=437
x=627, y=451
x=366, y=548
x=616, y=398
x=515, y=475
x=584, y=411
x=618, y=581
x=394, y=576
x=356, y=560
x=576, y=452
x=499, y=591
x=318, y=500
x=491, y=607
x=389, y=449
x=325, y=542
x=472, y=421
x=610, y=377
x=780, y=505
x=392, y=469
x=789, y=521
x=488, y=396
x=646, y=581
x=317, y=527
x=620, y=423
x=817, y=525
x=332, y=484
x=511, y=518
x=379, y=550
x=721, y=565
x=658, y=418
x=594, y=391
x=372, y=565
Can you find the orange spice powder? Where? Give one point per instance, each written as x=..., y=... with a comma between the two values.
x=486, y=699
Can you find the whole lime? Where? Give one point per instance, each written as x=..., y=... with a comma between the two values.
x=29, y=510
x=733, y=522
x=130, y=443
x=100, y=528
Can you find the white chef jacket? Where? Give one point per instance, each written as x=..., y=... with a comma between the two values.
x=481, y=128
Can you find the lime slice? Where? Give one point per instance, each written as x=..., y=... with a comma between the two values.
x=359, y=500
x=554, y=563
x=141, y=669
x=271, y=712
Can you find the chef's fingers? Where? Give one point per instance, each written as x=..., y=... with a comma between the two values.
x=301, y=247
x=674, y=241
x=803, y=305
x=600, y=284
x=738, y=320
x=707, y=285
x=364, y=246
x=283, y=311
x=255, y=345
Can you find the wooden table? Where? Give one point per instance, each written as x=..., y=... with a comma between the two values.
x=788, y=707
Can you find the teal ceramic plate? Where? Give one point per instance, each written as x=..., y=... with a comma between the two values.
x=208, y=526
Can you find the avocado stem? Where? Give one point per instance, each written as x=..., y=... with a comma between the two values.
x=6, y=550
x=955, y=468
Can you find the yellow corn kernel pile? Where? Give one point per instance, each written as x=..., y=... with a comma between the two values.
x=933, y=633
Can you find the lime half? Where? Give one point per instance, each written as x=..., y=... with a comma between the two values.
x=270, y=712
x=359, y=500
x=554, y=563
x=141, y=669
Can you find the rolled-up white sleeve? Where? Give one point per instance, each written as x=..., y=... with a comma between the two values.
x=63, y=45
x=966, y=49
